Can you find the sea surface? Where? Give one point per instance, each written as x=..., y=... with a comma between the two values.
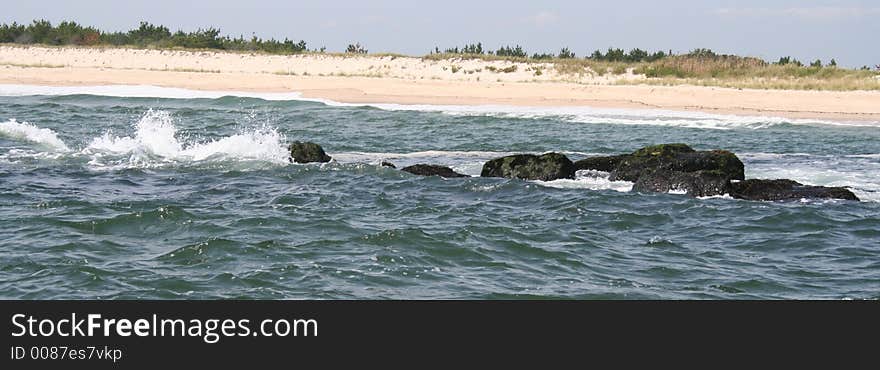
x=142, y=192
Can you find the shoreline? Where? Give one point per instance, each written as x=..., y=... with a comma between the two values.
x=408, y=81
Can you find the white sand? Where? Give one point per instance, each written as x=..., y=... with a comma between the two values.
x=407, y=80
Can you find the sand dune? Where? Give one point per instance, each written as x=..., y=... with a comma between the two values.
x=408, y=80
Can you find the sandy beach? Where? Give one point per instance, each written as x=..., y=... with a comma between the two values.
x=410, y=80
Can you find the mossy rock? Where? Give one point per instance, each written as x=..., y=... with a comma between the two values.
x=663, y=150
x=306, y=152
x=695, y=184
x=432, y=170
x=784, y=189
x=677, y=158
x=546, y=167
x=604, y=164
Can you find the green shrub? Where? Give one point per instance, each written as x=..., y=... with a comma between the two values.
x=515, y=52
x=355, y=49
x=565, y=53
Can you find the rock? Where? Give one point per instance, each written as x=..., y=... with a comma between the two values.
x=783, y=189
x=604, y=164
x=663, y=150
x=388, y=164
x=432, y=170
x=306, y=152
x=695, y=184
x=678, y=158
x=547, y=167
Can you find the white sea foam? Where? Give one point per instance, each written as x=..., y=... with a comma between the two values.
x=33, y=134
x=156, y=138
x=593, y=180
x=724, y=196
x=860, y=173
x=155, y=142
x=588, y=115
x=465, y=162
x=376, y=157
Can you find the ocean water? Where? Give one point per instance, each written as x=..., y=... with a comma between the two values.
x=140, y=192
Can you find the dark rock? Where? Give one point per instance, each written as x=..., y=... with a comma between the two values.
x=696, y=184
x=547, y=167
x=720, y=162
x=785, y=190
x=388, y=164
x=679, y=158
x=604, y=164
x=306, y=152
x=432, y=170
x=663, y=150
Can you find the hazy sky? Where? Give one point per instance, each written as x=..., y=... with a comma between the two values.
x=848, y=30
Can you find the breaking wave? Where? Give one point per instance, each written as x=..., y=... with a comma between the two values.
x=589, y=115
x=33, y=134
x=156, y=142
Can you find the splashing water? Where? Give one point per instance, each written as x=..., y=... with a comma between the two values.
x=156, y=139
x=28, y=132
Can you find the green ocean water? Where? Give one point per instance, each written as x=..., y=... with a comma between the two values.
x=193, y=197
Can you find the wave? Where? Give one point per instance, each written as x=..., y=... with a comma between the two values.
x=591, y=115
x=587, y=115
x=377, y=157
x=156, y=143
x=465, y=162
x=30, y=133
x=156, y=137
x=860, y=173
x=592, y=180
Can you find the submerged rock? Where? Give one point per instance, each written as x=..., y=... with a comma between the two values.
x=432, y=170
x=388, y=164
x=306, y=152
x=784, y=189
x=695, y=184
x=547, y=167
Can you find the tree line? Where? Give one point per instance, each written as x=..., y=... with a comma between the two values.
x=146, y=34
x=150, y=35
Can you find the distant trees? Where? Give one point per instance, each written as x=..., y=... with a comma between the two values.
x=504, y=51
x=470, y=49
x=789, y=60
x=355, y=49
x=514, y=52
x=146, y=34
x=42, y=32
x=565, y=53
x=634, y=55
x=151, y=35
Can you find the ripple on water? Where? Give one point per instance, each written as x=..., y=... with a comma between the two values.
x=195, y=199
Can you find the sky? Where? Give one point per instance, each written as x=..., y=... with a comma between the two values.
x=847, y=30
